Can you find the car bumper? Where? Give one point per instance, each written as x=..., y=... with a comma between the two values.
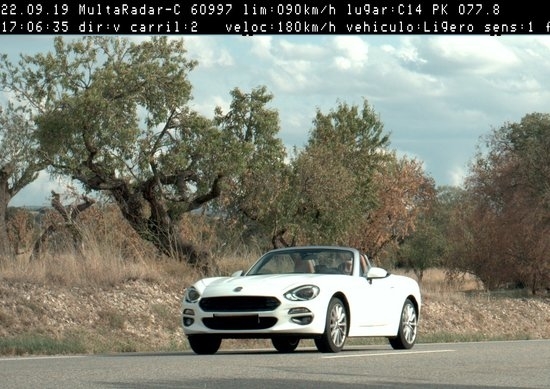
x=298, y=318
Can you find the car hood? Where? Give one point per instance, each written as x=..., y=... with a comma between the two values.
x=253, y=285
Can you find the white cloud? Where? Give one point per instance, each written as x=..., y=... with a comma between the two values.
x=299, y=50
x=290, y=76
x=207, y=51
x=290, y=66
x=262, y=47
x=206, y=106
x=353, y=52
x=407, y=51
x=477, y=55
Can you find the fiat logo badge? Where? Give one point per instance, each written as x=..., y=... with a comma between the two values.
x=238, y=289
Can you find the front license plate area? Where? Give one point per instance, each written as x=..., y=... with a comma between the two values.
x=242, y=322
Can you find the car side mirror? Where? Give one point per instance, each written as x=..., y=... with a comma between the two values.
x=376, y=272
x=237, y=273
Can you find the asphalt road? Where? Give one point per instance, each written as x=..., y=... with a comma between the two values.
x=516, y=364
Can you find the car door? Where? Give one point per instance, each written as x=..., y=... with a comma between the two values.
x=371, y=306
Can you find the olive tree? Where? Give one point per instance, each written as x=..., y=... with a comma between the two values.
x=116, y=119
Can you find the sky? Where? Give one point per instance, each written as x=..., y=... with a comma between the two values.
x=436, y=95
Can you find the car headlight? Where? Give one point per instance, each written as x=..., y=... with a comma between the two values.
x=303, y=293
x=192, y=295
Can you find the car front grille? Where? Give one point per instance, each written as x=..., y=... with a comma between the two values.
x=250, y=322
x=239, y=304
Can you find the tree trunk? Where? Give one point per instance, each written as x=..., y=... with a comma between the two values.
x=38, y=247
x=5, y=197
x=149, y=217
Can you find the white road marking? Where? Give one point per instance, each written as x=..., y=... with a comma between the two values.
x=41, y=357
x=383, y=354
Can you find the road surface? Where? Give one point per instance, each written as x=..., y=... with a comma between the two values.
x=514, y=364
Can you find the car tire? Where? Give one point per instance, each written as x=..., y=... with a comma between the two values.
x=408, y=323
x=204, y=344
x=336, y=328
x=285, y=344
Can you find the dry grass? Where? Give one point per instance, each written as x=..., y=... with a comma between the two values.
x=67, y=270
x=438, y=281
x=105, y=265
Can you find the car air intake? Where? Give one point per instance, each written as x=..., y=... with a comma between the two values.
x=239, y=304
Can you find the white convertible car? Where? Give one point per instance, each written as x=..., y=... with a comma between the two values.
x=323, y=293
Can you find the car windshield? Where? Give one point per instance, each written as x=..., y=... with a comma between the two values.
x=311, y=260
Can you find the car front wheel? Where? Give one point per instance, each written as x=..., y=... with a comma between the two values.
x=285, y=344
x=336, y=328
x=408, y=323
x=204, y=344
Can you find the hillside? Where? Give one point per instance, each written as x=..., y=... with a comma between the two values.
x=144, y=316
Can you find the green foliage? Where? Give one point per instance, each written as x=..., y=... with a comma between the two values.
x=324, y=195
x=108, y=99
x=356, y=139
x=35, y=344
x=329, y=184
x=253, y=198
x=357, y=130
x=425, y=248
x=250, y=131
x=429, y=244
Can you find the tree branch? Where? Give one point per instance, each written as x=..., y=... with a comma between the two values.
x=215, y=191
